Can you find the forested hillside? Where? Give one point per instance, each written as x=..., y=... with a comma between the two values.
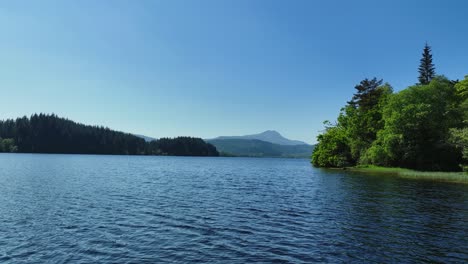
x=259, y=148
x=51, y=134
x=422, y=127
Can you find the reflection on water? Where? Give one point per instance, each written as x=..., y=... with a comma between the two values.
x=107, y=209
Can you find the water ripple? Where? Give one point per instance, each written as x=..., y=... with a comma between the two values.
x=118, y=209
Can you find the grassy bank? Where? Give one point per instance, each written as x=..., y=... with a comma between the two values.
x=460, y=177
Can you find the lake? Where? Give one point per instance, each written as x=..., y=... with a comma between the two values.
x=145, y=209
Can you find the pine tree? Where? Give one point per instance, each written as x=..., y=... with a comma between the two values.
x=426, y=68
x=367, y=93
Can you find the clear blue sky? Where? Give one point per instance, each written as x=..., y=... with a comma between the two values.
x=210, y=68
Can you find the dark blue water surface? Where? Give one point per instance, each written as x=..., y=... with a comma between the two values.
x=129, y=209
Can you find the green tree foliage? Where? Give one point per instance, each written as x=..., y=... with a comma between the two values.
x=367, y=95
x=426, y=68
x=462, y=92
x=363, y=115
x=417, y=124
x=332, y=149
x=459, y=138
x=358, y=123
x=462, y=88
x=422, y=127
x=7, y=145
x=51, y=134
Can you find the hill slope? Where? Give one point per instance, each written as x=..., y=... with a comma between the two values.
x=51, y=134
x=147, y=139
x=259, y=148
x=267, y=136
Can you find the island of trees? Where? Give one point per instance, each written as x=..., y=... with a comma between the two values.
x=50, y=134
x=423, y=127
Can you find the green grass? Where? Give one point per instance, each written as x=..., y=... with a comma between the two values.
x=460, y=177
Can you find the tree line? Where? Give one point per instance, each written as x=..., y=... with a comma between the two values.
x=423, y=127
x=42, y=133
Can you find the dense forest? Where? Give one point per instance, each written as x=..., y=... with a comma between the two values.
x=422, y=127
x=50, y=134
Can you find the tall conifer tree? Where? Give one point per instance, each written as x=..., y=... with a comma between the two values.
x=426, y=68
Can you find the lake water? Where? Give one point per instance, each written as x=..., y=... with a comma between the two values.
x=130, y=209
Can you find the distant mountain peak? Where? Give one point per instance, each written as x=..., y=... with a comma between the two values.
x=271, y=136
x=147, y=139
x=270, y=132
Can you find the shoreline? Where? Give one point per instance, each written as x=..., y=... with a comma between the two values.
x=455, y=177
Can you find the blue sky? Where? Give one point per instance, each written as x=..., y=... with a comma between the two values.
x=220, y=67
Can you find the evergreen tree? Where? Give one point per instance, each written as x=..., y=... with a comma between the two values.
x=43, y=133
x=362, y=118
x=426, y=68
x=367, y=94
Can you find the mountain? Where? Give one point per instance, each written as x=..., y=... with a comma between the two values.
x=267, y=136
x=147, y=139
x=259, y=148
